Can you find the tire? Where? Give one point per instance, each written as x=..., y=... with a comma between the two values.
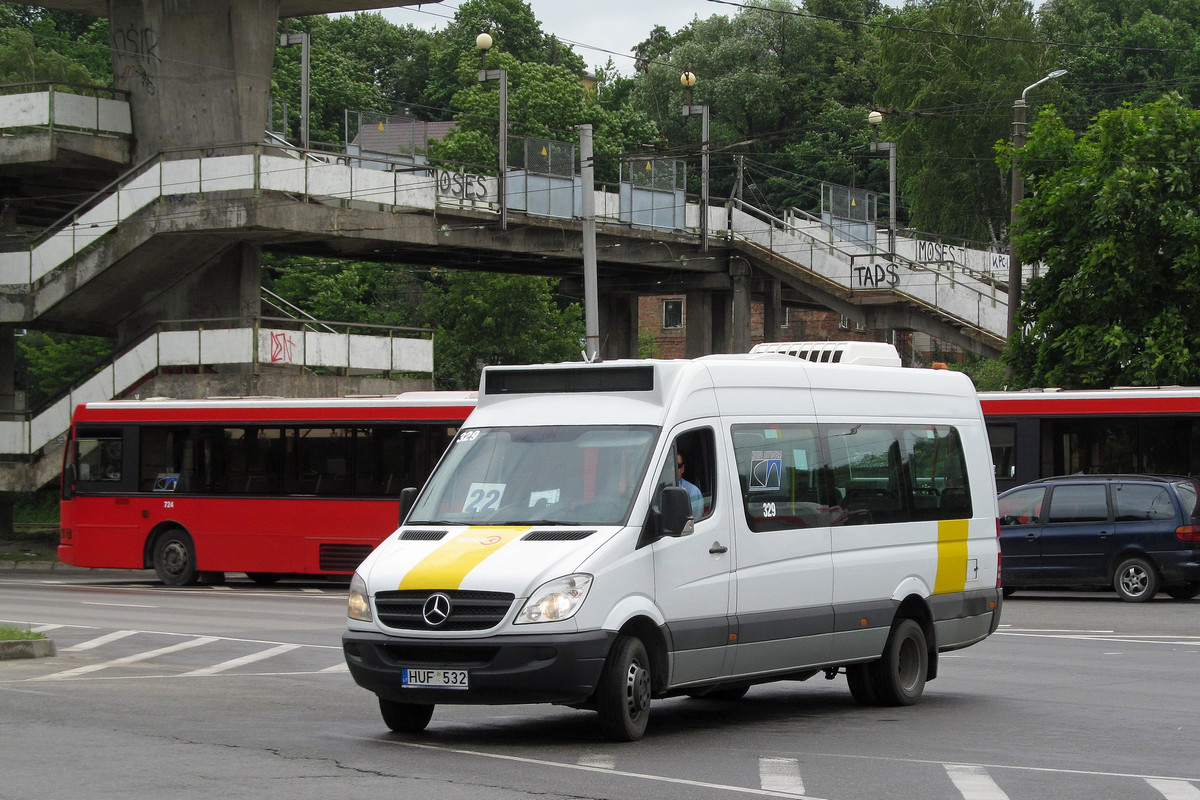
x=858, y=677
x=898, y=678
x=623, y=694
x=175, y=558
x=264, y=578
x=405, y=717
x=1184, y=591
x=1135, y=580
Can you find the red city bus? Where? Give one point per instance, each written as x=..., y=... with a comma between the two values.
x=264, y=486
x=1043, y=433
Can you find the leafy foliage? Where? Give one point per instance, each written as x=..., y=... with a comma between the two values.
x=488, y=318
x=48, y=364
x=1112, y=217
x=950, y=71
x=41, y=45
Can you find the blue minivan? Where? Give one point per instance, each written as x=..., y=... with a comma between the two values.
x=1135, y=533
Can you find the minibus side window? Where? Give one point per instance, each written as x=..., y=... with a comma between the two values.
x=938, y=469
x=783, y=478
x=868, y=473
x=691, y=464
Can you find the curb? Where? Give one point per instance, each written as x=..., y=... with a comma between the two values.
x=27, y=648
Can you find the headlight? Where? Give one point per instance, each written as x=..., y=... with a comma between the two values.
x=359, y=607
x=555, y=600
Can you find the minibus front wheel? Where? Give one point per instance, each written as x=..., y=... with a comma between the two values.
x=623, y=695
x=405, y=717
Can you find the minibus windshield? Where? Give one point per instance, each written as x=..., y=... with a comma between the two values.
x=543, y=475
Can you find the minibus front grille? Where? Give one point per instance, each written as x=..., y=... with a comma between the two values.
x=469, y=610
x=556, y=536
x=342, y=557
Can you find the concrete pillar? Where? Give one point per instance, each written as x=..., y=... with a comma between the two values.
x=618, y=326
x=8, y=396
x=773, y=312
x=739, y=329
x=226, y=288
x=698, y=308
x=722, y=322
x=199, y=70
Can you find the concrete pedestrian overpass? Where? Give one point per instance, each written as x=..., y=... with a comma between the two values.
x=175, y=193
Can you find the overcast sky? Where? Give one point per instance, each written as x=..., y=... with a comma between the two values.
x=592, y=28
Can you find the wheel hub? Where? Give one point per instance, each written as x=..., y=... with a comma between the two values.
x=638, y=689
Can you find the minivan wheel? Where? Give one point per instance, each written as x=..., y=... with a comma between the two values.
x=899, y=677
x=1135, y=580
x=623, y=694
x=405, y=717
x=1184, y=591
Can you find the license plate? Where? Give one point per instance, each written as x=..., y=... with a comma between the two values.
x=434, y=678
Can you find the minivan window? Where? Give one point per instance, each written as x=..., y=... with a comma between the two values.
x=1085, y=503
x=1189, y=496
x=1141, y=501
x=553, y=474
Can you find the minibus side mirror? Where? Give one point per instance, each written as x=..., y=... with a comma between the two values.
x=408, y=496
x=676, y=511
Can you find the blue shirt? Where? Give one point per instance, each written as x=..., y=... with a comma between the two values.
x=697, y=498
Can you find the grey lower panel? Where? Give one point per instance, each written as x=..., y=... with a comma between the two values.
x=691, y=666
x=963, y=631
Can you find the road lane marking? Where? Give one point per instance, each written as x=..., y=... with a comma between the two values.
x=1174, y=790
x=239, y=662
x=118, y=605
x=780, y=775
x=99, y=640
x=974, y=783
x=598, y=760
x=638, y=776
x=120, y=662
x=342, y=667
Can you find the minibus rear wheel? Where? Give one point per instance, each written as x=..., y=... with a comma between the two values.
x=898, y=678
x=623, y=694
x=174, y=558
x=405, y=717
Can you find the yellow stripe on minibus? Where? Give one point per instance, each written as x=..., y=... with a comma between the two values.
x=446, y=567
x=952, y=556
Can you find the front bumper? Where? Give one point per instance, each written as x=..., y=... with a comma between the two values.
x=560, y=669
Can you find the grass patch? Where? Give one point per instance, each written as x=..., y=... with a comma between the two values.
x=9, y=633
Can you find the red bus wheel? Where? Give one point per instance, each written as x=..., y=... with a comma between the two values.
x=175, y=558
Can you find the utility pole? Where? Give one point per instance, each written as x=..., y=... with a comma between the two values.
x=587, y=178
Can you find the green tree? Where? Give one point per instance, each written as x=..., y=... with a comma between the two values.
x=338, y=82
x=774, y=79
x=1112, y=219
x=949, y=71
x=50, y=363
x=487, y=318
x=1129, y=51
x=514, y=30
x=41, y=45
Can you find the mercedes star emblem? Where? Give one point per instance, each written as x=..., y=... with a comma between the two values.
x=436, y=609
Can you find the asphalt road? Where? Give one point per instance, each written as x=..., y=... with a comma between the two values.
x=241, y=691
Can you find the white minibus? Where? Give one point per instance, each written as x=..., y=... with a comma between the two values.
x=603, y=535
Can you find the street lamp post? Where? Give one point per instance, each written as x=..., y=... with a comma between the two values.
x=287, y=40
x=876, y=119
x=688, y=79
x=484, y=42
x=1018, y=192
